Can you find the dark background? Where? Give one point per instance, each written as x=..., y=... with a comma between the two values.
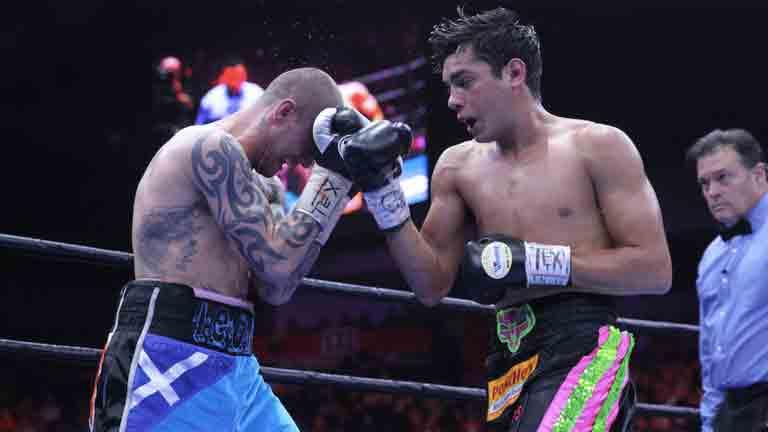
x=76, y=105
x=77, y=115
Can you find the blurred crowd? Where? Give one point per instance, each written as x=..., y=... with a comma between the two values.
x=674, y=381
x=40, y=395
x=44, y=395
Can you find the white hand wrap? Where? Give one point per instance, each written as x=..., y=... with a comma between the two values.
x=547, y=264
x=388, y=205
x=324, y=198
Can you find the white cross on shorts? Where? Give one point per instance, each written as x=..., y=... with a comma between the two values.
x=161, y=382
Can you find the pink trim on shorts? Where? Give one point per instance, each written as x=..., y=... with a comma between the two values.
x=221, y=298
x=586, y=420
x=210, y=295
x=566, y=388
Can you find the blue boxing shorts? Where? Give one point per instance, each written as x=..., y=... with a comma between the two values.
x=175, y=361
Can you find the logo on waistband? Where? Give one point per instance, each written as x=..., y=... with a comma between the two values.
x=513, y=324
x=223, y=328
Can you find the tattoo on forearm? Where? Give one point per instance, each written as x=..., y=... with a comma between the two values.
x=286, y=290
x=164, y=226
x=275, y=193
x=298, y=229
x=278, y=212
x=253, y=245
x=309, y=261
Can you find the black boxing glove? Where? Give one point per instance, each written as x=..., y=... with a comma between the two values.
x=329, y=186
x=330, y=127
x=374, y=159
x=496, y=263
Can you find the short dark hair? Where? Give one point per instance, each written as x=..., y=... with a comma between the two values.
x=741, y=141
x=496, y=36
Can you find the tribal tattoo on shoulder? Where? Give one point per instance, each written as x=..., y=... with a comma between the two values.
x=239, y=204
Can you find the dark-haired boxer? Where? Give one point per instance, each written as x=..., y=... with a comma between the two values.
x=205, y=240
x=562, y=217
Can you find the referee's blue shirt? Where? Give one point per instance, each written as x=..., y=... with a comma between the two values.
x=733, y=309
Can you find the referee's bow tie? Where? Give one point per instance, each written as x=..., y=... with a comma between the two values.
x=742, y=227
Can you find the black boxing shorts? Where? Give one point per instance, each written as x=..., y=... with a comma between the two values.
x=559, y=364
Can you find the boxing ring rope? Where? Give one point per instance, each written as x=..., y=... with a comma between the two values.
x=292, y=376
x=87, y=254
x=413, y=117
x=392, y=71
x=91, y=255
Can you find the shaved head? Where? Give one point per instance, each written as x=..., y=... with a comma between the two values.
x=311, y=89
x=277, y=129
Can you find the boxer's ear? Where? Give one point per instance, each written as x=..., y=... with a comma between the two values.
x=514, y=72
x=284, y=110
x=760, y=172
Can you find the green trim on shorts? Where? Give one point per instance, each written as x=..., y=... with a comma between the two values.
x=588, y=380
x=615, y=392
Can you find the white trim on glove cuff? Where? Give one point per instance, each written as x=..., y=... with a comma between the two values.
x=324, y=198
x=547, y=264
x=388, y=205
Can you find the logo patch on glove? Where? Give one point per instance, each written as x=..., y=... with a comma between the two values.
x=496, y=259
x=393, y=201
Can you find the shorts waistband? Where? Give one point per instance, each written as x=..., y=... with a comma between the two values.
x=175, y=312
x=562, y=320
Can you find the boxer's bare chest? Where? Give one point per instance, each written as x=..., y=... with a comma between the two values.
x=175, y=236
x=548, y=197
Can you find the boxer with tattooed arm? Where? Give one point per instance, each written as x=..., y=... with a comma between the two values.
x=208, y=235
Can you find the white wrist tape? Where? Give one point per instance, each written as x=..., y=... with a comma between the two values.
x=324, y=198
x=547, y=264
x=388, y=205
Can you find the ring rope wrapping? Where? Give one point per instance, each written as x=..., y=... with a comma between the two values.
x=58, y=250
x=293, y=376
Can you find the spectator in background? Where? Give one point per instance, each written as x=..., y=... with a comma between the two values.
x=356, y=94
x=232, y=93
x=172, y=107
